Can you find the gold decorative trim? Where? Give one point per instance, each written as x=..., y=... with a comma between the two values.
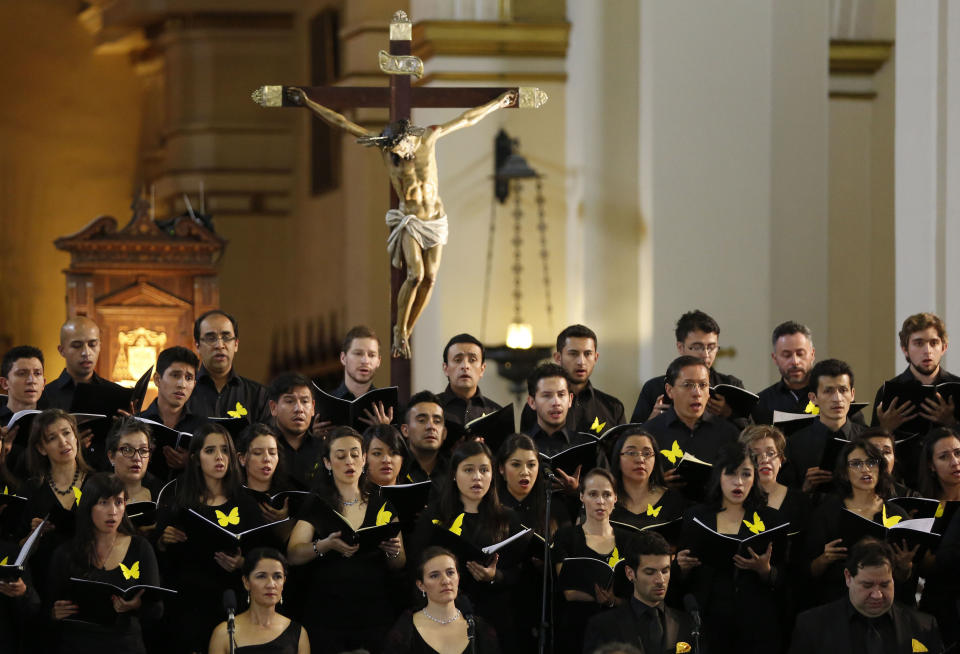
x=400, y=64
x=510, y=79
x=858, y=57
x=401, y=29
x=268, y=96
x=531, y=98
x=485, y=38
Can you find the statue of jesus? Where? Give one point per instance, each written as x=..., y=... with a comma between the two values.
x=418, y=229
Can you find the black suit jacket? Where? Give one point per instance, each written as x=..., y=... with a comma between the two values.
x=619, y=625
x=826, y=629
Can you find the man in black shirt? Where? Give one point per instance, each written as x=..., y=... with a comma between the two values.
x=793, y=354
x=175, y=377
x=21, y=376
x=220, y=392
x=291, y=403
x=80, y=349
x=697, y=335
x=683, y=424
x=425, y=432
x=593, y=410
x=464, y=361
x=644, y=621
x=833, y=381
x=360, y=357
x=923, y=341
x=867, y=621
x=550, y=398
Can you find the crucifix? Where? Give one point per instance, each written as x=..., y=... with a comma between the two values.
x=416, y=219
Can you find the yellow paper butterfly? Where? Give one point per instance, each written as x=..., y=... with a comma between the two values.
x=4, y=561
x=614, y=558
x=682, y=647
x=457, y=526
x=812, y=409
x=757, y=525
x=6, y=491
x=892, y=520
x=655, y=512
x=597, y=426
x=232, y=519
x=939, y=512
x=673, y=453
x=917, y=646
x=77, y=494
x=383, y=516
x=133, y=572
x=239, y=412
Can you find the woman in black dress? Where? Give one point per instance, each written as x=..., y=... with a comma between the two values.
x=469, y=505
x=738, y=598
x=885, y=442
x=105, y=548
x=864, y=486
x=642, y=495
x=440, y=627
x=596, y=538
x=385, y=454
x=261, y=464
x=260, y=629
x=210, y=486
x=129, y=448
x=351, y=608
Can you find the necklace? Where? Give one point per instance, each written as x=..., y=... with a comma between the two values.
x=441, y=620
x=53, y=486
x=351, y=502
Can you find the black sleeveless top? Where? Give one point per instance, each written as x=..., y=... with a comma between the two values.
x=286, y=643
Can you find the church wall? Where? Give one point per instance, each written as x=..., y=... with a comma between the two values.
x=69, y=130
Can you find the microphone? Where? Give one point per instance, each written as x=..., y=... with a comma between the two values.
x=690, y=606
x=230, y=606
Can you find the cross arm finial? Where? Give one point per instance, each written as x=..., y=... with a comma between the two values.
x=401, y=29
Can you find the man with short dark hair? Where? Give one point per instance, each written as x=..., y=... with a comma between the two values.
x=866, y=621
x=697, y=335
x=360, y=357
x=464, y=361
x=80, y=349
x=592, y=410
x=423, y=427
x=794, y=355
x=220, y=392
x=687, y=385
x=175, y=376
x=292, y=407
x=549, y=396
x=832, y=391
x=21, y=378
x=644, y=621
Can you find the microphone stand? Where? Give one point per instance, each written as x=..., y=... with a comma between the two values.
x=546, y=624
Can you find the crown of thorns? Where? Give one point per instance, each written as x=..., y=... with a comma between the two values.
x=392, y=134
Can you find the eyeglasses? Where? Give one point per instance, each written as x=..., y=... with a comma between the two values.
x=701, y=348
x=213, y=339
x=128, y=451
x=633, y=454
x=860, y=464
x=769, y=454
x=690, y=385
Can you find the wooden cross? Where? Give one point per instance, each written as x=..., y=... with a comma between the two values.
x=401, y=98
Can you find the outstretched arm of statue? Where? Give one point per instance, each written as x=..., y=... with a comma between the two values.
x=329, y=115
x=475, y=115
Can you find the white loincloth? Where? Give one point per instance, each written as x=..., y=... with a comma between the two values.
x=427, y=233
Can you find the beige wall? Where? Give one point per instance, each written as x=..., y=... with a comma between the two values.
x=69, y=128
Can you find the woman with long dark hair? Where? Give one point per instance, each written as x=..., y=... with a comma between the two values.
x=737, y=599
x=210, y=486
x=440, y=627
x=104, y=548
x=129, y=448
x=469, y=504
x=642, y=495
x=385, y=452
x=595, y=538
x=864, y=487
x=261, y=466
x=886, y=443
x=520, y=485
x=352, y=608
x=260, y=629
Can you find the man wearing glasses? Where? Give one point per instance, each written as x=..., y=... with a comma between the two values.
x=832, y=380
x=697, y=335
x=220, y=391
